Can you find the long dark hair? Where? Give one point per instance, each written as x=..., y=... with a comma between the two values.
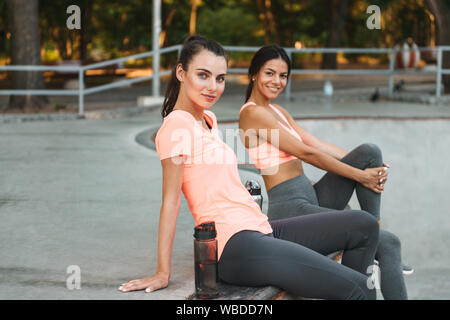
x=192, y=46
x=260, y=58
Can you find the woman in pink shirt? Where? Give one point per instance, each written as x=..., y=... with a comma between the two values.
x=287, y=253
x=280, y=162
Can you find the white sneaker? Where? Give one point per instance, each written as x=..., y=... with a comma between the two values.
x=407, y=270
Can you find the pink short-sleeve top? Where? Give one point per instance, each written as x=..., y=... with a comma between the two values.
x=211, y=183
x=265, y=155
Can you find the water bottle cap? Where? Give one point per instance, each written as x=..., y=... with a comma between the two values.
x=253, y=187
x=205, y=231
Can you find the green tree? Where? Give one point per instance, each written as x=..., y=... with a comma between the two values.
x=230, y=25
x=3, y=28
x=55, y=33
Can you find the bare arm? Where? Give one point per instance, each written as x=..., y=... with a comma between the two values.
x=331, y=149
x=171, y=201
x=258, y=118
x=312, y=141
x=334, y=151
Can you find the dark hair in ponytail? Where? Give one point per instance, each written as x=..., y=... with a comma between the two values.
x=192, y=46
x=260, y=58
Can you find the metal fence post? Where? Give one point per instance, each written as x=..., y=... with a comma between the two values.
x=81, y=91
x=439, y=73
x=287, y=92
x=393, y=53
x=156, y=53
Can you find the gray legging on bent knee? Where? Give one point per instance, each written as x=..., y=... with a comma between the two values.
x=298, y=197
x=294, y=258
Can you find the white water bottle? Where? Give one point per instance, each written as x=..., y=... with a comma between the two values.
x=328, y=88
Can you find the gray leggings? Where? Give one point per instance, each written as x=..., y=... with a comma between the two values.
x=294, y=256
x=298, y=197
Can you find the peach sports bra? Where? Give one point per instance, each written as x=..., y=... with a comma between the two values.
x=266, y=155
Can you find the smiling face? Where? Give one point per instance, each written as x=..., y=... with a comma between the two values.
x=271, y=78
x=203, y=82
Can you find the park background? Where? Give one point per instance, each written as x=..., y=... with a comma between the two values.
x=114, y=29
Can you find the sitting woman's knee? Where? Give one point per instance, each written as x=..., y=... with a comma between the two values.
x=368, y=222
x=372, y=151
x=388, y=240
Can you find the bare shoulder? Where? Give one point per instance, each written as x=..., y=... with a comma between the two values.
x=253, y=113
x=283, y=110
x=257, y=117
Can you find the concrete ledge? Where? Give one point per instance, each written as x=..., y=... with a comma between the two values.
x=146, y=138
x=231, y=292
x=19, y=118
x=88, y=115
x=121, y=112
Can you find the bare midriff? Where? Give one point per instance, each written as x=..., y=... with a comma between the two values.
x=286, y=171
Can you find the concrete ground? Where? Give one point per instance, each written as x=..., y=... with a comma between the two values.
x=84, y=193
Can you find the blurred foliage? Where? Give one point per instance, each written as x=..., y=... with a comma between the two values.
x=119, y=28
x=4, y=43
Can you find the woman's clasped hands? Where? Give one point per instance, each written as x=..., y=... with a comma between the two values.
x=375, y=178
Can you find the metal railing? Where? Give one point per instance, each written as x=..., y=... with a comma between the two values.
x=390, y=72
x=81, y=92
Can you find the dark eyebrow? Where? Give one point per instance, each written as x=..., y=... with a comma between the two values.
x=275, y=71
x=205, y=70
x=209, y=72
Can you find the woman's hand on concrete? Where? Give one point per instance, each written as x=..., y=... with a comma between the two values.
x=150, y=284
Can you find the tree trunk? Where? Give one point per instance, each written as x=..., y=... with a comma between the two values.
x=269, y=16
x=266, y=17
x=193, y=17
x=25, y=50
x=85, y=35
x=163, y=37
x=441, y=13
x=337, y=12
x=289, y=32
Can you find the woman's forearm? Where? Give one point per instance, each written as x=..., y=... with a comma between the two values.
x=332, y=150
x=329, y=163
x=166, y=235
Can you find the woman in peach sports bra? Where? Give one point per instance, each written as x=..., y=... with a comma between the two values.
x=282, y=147
x=287, y=253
